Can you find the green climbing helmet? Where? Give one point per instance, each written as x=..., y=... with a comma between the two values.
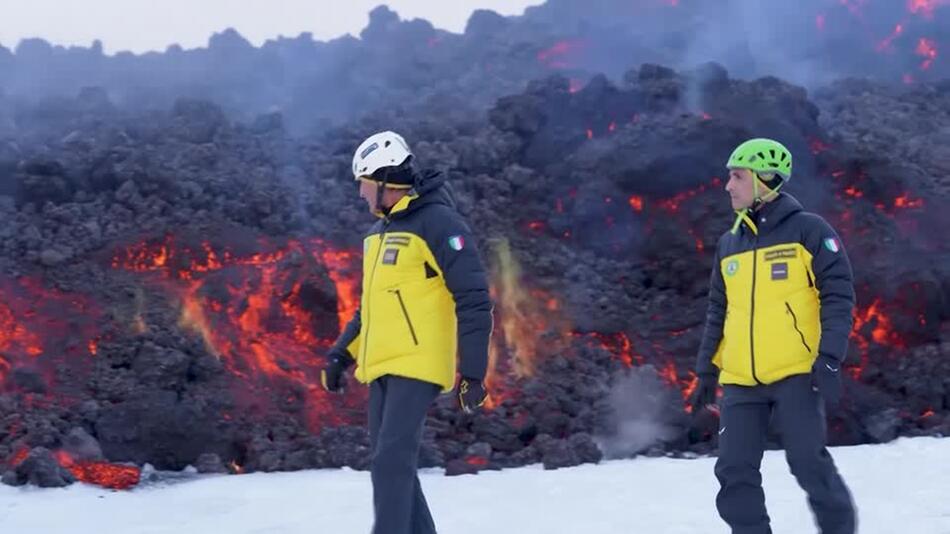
x=762, y=156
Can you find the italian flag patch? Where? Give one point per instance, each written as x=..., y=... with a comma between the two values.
x=832, y=244
x=457, y=242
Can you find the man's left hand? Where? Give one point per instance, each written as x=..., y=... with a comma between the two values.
x=472, y=394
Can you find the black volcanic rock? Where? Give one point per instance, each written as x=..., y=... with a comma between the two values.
x=174, y=264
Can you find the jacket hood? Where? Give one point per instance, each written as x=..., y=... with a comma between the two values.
x=430, y=187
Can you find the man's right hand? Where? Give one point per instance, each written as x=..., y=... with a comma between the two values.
x=826, y=376
x=332, y=376
x=705, y=394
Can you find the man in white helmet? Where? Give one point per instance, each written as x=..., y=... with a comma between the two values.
x=425, y=299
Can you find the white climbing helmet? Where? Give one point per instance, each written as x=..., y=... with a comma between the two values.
x=384, y=149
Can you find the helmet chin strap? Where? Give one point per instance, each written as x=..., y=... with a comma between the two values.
x=380, y=189
x=757, y=202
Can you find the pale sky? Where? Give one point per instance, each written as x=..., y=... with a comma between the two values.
x=143, y=25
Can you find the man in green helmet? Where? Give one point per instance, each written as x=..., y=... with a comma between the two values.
x=780, y=312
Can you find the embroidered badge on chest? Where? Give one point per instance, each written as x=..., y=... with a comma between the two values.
x=732, y=267
x=390, y=256
x=781, y=254
x=398, y=240
x=780, y=271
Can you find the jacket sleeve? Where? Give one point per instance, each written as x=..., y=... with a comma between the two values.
x=453, y=247
x=835, y=284
x=715, y=317
x=349, y=340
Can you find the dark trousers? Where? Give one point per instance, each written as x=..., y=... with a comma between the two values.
x=397, y=414
x=799, y=416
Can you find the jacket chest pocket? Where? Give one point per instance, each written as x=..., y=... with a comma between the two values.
x=398, y=265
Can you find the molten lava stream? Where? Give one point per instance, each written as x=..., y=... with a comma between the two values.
x=44, y=331
x=618, y=345
x=872, y=324
x=560, y=54
x=686, y=386
x=14, y=335
x=342, y=270
x=266, y=336
x=105, y=474
x=250, y=313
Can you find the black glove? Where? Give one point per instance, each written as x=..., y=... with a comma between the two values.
x=332, y=376
x=826, y=377
x=705, y=391
x=472, y=394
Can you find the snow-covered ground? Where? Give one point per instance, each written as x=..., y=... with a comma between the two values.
x=903, y=487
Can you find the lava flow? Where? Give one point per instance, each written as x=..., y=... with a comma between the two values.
x=531, y=323
x=620, y=346
x=687, y=385
x=41, y=330
x=560, y=54
x=872, y=325
x=268, y=314
x=105, y=474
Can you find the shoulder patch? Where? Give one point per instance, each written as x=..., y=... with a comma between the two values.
x=832, y=244
x=457, y=242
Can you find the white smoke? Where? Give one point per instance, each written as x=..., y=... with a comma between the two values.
x=640, y=401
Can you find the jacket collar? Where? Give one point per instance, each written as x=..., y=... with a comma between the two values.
x=770, y=215
x=429, y=187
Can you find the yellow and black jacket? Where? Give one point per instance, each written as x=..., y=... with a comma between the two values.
x=425, y=294
x=781, y=293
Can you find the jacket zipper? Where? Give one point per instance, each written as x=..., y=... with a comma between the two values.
x=795, y=324
x=367, y=291
x=755, y=261
x=405, y=313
